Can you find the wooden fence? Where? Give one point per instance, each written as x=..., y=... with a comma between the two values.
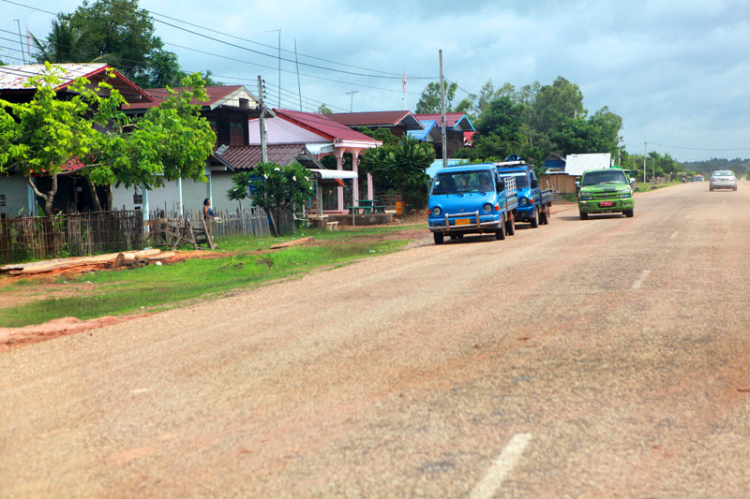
x=79, y=234
x=248, y=222
x=76, y=234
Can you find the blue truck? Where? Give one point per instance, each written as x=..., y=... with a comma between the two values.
x=472, y=199
x=533, y=203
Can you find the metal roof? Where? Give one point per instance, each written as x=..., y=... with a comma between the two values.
x=454, y=121
x=430, y=133
x=576, y=164
x=15, y=78
x=376, y=119
x=247, y=157
x=328, y=128
x=219, y=95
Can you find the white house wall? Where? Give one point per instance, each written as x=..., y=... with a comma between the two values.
x=280, y=131
x=193, y=194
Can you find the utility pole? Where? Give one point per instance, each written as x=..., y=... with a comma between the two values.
x=262, y=120
x=20, y=37
x=272, y=31
x=299, y=85
x=404, y=88
x=644, y=159
x=351, y=105
x=444, y=152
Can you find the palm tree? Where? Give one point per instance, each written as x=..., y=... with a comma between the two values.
x=66, y=44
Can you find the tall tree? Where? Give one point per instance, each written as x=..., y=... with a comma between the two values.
x=169, y=142
x=556, y=104
x=164, y=70
x=41, y=136
x=499, y=131
x=429, y=101
x=120, y=30
x=402, y=165
x=64, y=43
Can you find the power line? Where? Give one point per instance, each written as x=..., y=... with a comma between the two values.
x=385, y=75
x=269, y=46
x=700, y=148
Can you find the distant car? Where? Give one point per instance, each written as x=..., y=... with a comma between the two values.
x=605, y=191
x=722, y=179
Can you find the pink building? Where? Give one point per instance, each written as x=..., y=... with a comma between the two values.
x=322, y=137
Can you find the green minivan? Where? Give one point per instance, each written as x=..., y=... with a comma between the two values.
x=605, y=191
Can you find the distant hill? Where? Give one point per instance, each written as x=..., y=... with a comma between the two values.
x=739, y=166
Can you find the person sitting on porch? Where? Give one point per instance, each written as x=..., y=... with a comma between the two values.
x=208, y=213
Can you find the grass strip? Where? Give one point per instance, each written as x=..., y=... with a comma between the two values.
x=169, y=286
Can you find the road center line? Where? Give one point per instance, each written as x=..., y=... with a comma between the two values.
x=641, y=278
x=674, y=236
x=502, y=466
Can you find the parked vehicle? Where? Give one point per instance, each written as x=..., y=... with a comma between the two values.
x=534, y=204
x=722, y=179
x=472, y=199
x=609, y=190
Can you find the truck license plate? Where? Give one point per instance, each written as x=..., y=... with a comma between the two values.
x=605, y=203
x=463, y=221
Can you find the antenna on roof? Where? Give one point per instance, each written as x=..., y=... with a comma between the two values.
x=351, y=105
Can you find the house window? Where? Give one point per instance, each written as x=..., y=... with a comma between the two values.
x=2, y=200
x=236, y=136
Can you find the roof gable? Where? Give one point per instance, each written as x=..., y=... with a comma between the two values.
x=377, y=119
x=454, y=121
x=323, y=126
x=15, y=78
x=219, y=95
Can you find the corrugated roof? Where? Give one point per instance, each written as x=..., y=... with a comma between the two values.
x=324, y=126
x=456, y=121
x=377, y=119
x=16, y=77
x=576, y=164
x=247, y=157
x=429, y=131
x=217, y=95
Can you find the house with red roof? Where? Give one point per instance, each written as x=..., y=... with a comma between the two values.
x=397, y=122
x=322, y=136
x=73, y=193
x=457, y=124
x=229, y=109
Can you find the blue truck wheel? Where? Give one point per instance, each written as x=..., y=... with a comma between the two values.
x=535, y=219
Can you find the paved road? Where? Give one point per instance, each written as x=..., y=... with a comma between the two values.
x=619, y=365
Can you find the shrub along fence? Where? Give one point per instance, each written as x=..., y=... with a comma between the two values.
x=76, y=234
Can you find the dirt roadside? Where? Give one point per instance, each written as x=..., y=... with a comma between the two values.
x=48, y=285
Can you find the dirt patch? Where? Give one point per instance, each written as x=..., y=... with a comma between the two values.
x=52, y=285
x=11, y=338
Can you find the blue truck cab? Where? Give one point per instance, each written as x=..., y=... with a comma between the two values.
x=533, y=203
x=471, y=199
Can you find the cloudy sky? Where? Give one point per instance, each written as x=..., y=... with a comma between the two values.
x=677, y=71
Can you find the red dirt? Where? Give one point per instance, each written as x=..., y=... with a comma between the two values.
x=11, y=338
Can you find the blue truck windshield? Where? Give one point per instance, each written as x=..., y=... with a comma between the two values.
x=461, y=182
x=522, y=179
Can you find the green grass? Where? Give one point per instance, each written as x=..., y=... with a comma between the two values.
x=167, y=286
